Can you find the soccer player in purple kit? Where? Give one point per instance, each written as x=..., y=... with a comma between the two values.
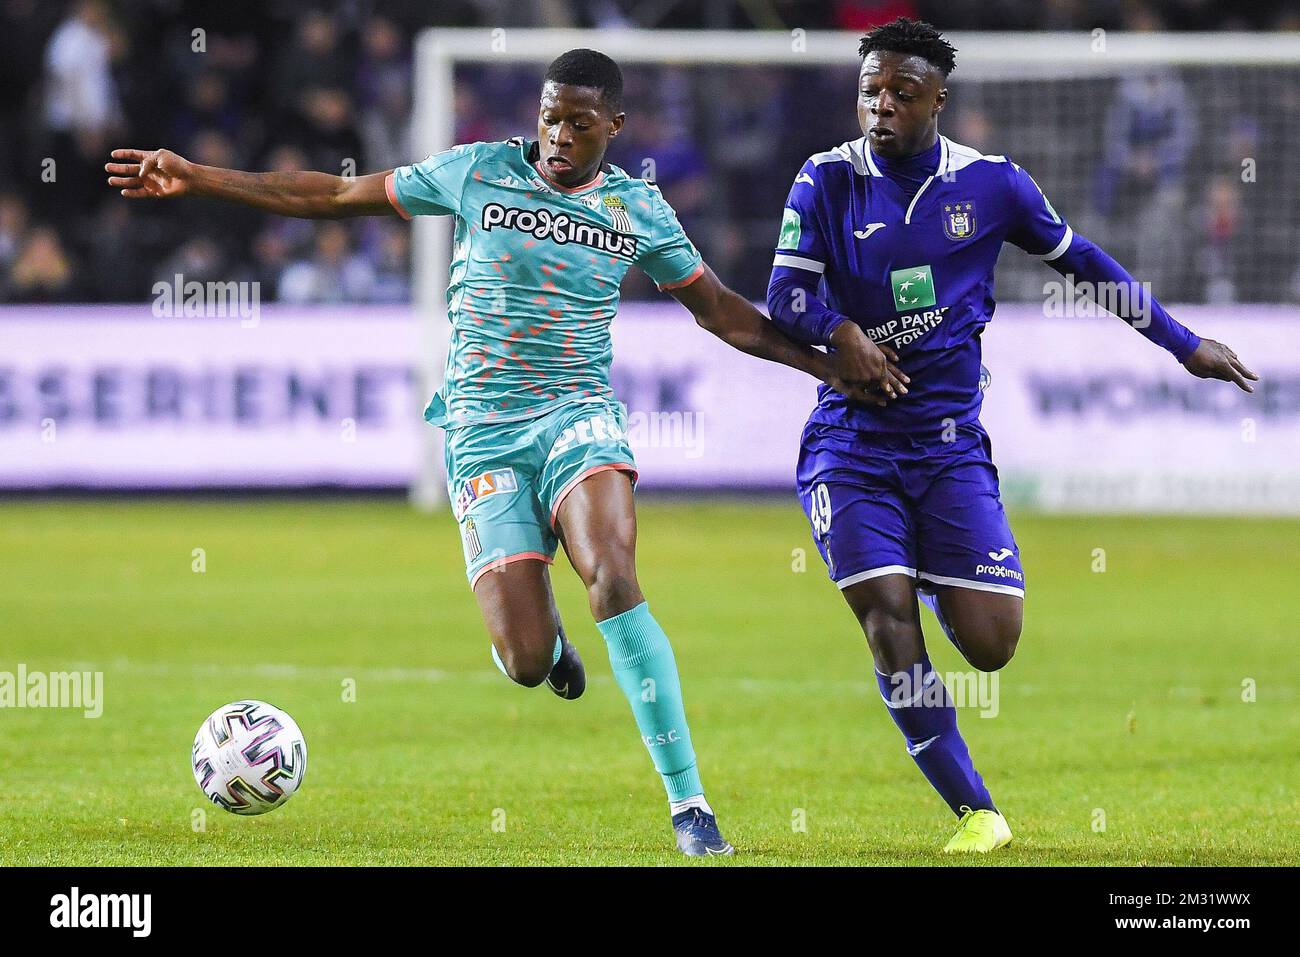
x=887, y=249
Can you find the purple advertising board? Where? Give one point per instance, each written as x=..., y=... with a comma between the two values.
x=1084, y=414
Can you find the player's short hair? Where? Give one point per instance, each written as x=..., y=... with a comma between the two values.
x=915, y=38
x=589, y=68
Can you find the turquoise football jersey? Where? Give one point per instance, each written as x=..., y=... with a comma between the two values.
x=535, y=274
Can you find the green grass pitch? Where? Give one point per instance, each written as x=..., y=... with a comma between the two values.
x=1122, y=735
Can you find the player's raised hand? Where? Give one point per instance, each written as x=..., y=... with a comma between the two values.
x=150, y=174
x=864, y=371
x=1214, y=360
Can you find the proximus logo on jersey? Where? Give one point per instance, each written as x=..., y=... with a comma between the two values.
x=559, y=228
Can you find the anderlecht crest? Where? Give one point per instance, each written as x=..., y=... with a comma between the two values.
x=959, y=220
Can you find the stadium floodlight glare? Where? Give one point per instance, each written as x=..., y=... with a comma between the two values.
x=1051, y=59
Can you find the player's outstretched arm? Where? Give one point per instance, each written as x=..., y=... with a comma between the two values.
x=161, y=174
x=1204, y=358
x=1087, y=266
x=1214, y=360
x=735, y=321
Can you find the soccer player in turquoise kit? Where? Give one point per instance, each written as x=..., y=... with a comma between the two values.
x=889, y=242
x=536, y=449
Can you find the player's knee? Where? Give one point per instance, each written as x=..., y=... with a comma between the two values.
x=525, y=666
x=991, y=647
x=612, y=590
x=895, y=640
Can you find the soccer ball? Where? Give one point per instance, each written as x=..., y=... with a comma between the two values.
x=249, y=757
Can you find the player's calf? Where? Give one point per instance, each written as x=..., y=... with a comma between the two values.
x=895, y=642
x=597, y=525
x=886, y=610
x=912, y=690
x=612, y=590
x=519, y=614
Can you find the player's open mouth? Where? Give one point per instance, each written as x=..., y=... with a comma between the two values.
x=558, y=164
x=881, y=133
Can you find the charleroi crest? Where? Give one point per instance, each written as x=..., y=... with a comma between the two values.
x=618, y=210
x=959, y=220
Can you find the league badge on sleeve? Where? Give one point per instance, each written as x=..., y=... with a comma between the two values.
x=791, y=229
x=959, y=220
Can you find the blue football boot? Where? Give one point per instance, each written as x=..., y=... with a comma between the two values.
x=698, y=834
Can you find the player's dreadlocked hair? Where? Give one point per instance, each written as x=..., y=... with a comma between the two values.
x=915, y=38
x=589, y=68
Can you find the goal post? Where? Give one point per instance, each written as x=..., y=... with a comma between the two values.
x=1050, y=62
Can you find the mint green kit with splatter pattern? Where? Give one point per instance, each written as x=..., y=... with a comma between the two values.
x=535, y=273
x=533, y=286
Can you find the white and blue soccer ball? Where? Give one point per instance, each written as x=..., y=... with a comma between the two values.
x=249, y=757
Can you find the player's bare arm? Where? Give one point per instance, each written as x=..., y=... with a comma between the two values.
x=162, y=174
x=735, y=321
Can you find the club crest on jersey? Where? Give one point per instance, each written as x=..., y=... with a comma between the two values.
x=959, y=220
x=473, y=544
x=481, y=486
x=618, y=210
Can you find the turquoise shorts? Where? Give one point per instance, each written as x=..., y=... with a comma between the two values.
x=506, y=480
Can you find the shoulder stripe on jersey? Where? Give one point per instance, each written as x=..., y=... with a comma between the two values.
x=1061, y=247
x=798, y=262
x=867, y=162
x=850, y=152
x=959, y=156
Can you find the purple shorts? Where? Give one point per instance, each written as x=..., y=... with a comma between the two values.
x=883, y=504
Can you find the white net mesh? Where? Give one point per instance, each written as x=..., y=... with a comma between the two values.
x=1183, y=172
x=1173, y=152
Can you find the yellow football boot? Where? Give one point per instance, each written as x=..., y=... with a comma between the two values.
x=979, y=832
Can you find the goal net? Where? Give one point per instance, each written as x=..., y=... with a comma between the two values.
x=1173, y=151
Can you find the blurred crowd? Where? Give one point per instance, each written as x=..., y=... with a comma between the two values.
x=282, y=85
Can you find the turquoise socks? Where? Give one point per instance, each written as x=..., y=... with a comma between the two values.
x=646, y=670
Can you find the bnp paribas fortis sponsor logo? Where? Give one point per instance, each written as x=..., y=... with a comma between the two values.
x=913, y=288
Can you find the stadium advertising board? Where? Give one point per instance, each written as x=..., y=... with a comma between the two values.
x=1084, y=414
